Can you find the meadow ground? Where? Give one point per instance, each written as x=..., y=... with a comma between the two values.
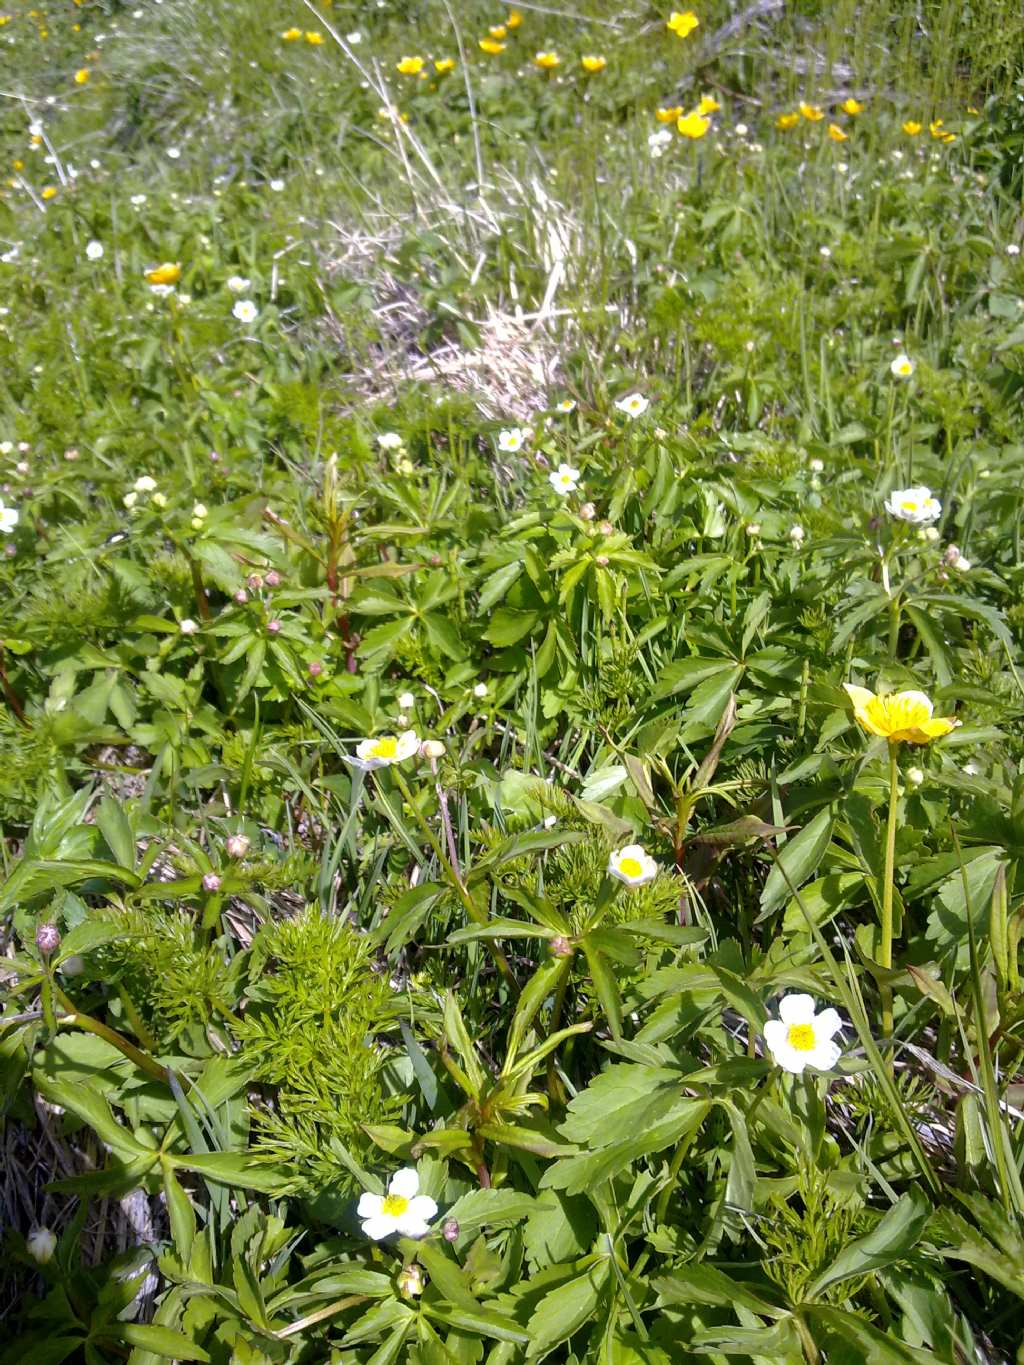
x=511, y=793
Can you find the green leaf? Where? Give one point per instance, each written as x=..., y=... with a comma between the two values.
x=228, y=1168
x=90, y=1106
x=890, y=1240
x=799, y=858
x=508, y=625
x=563, y=1311
x=705, y=1284
x=162, y=1341
x=490, y=1209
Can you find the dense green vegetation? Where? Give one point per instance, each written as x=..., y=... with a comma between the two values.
x=511, y=764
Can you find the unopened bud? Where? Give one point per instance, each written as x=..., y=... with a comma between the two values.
x=273, y=579
x=588, y=512
x=915, y=777
x=315, y=668
x=450, y=1230
x=211, y=882
x=237, y=845
x=606, y=528
x=601, y=560
x=410, y=1281
x=47, y=938
x=255, y=581
x=274, y=627
x=432, y=748
x=241, y=597
x=41, y=1244
x=561, y=947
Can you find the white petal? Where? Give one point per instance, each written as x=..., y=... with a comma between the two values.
x=412, y=1227
x=408, y=743
x=775, y=1032
x=379, y=1227
x=796, y=1009
x=369, y=1205
x=827, y=1023
x=789, y=1059
x=631, y=851
x=422, y=1207
x=824, y=1056
x=405, y=1183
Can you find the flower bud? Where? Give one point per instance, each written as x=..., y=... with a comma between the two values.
x=914, y=777
x=241, y=597
x=601, y=560
x=406, y=701
x=588, y=512
x=211, y=882
x=159, y=500
x=606, y=528
x=188, y=626
x=47, y=938
x=274, y=627
x=450, y=1230
x=201, y=511
x=273, y=579
x=410, y=1281
x=237, y=845
x=315, y=668
x=41, y=1244
x=931, y=534
x=254, y=582
x=432, y=748
x=796, y=535
x=480, y=690
x=561, y=947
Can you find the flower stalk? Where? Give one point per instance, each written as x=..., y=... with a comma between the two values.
x=885, y=950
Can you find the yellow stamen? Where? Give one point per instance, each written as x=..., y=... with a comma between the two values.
x=801, y=1037
x=394, y=1205
x=630, y=867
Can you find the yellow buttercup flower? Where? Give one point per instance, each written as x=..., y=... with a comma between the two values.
x=547, y=61
x=948, y=137
x=898, y=716
x=669, y=115
x=444, y=65
x=514, y=18
x=409, y=66
x=168, y=273
x=592, y=64
x=50, y=192
x=498, y=31
x=18, y=165
x=911, y=128
x=836, y=133
x=82, y=75
x=852, y=106
x=314, y=39
x=489, y=45
x=693, y=125
x=291, y=35
x=785, y=121
x=811, y=112
x=936, y=129
x=682, y=24
x=708, y=105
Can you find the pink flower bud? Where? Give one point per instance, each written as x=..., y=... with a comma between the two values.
x=237, y=845
x=255, y=581
x=211, y=882
x=561, y=946
x=450, y=1230
x=315, y=668
x=273, y=627
x=241, y=597
x=47, y=938
x=273, y=579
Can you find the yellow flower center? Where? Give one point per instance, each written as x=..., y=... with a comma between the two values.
x=801, y=1037
x=630, y=867
x=385, y=747
x=394, y=1205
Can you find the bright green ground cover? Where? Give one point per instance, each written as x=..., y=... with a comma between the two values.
x=480, y=402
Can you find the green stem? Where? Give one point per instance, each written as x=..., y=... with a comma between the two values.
x=75, y=1019
x=885, y=951
x=461, y=889
x=556, y=1091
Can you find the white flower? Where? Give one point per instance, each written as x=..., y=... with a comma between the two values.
x=385, y=750
x=200, y=510
x=796, y=535
x=161, y=290
x=94, y=250
x=512, y=439
x=480, y=690
x=915, y=776
x=8, y=518
x=355, y=38
x=657, y=142
x=633, y=405
x=130, y=499
x=188, y=626
x=566, y=405
x=406, y=701
x=6, y=447
x=237, y=284
x=632, y=865
x=174, y=153
x=41, y=1244
x=800, y=1038
x=902, y=367
x=159, y=500
x=816, y=466
x=916, y=505
x=564, y=479
x=389, y=440
x=403, y=1209
x=245, y=310
x=138, y=199
x=1013, y=249
x=277, y=186
x=741, y=130
x=144, y=484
